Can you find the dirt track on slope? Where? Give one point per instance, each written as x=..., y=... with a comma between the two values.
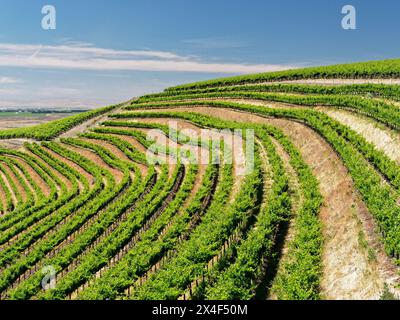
x=83, y=127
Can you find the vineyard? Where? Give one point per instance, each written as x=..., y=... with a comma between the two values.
x=115, y=204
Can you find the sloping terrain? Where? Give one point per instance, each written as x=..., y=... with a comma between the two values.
x=281, y=185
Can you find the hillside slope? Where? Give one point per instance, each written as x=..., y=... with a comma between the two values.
x=315, y=216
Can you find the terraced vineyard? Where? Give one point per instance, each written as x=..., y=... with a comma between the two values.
x=92, y=207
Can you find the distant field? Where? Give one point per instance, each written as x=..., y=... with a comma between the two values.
x=10, y=120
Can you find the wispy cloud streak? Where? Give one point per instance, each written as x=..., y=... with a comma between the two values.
x=9, y=80
x=86, y=57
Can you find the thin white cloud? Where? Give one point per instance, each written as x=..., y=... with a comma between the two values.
x=80, y=50
x=9, y=80
x=216, y=43
x=87, y=57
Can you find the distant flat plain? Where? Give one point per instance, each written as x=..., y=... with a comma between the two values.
x=18, y=119
x=11, y=119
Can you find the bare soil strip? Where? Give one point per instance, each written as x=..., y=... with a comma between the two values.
x=35, y=176
x=93, y=122
x=331, y=82
x=20, y=189
x=8, y=186
x=137, y=145
x=92, y=156
x=169, y=121
x=28, y=184
x=114, y=149
x=189, y=128
x=3, y=194
x=73, y=165
x=83, y=127
x=15, y=144
x=3, y=200
x=194, y=132
x=58, y=174
x=383, y=138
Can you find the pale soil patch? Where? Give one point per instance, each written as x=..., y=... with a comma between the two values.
x=112, y=148
x=18, y=185
x=15, y=144
x=116, y=151
x=349, y=273
x=182, y=124
x=3, y=199
x=188, y=128
x=83, y=127
x=8, y=186
x=383, y=138
x=92, y=156
x=58, y=174
x=269, y=104
x=137, y=145
x=23, y=177
x=73, y=165
x=194, y=131
x=389, y=101
x=35, y=176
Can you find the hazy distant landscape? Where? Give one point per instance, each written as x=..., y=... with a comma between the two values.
x=16, y=118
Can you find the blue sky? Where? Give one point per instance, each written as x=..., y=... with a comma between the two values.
x=105, y=51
